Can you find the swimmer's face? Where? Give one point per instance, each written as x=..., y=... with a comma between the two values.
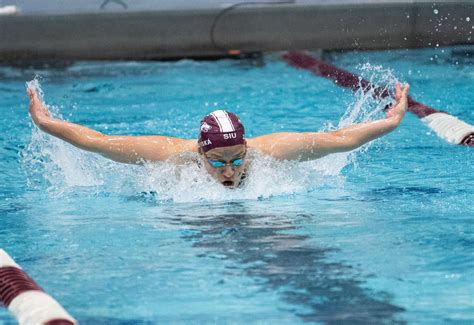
x=229, y=175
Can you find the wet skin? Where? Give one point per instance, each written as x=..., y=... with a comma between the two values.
x=229, y=175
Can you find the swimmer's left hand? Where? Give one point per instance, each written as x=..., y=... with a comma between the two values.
x=397, y=111
x=38, y=111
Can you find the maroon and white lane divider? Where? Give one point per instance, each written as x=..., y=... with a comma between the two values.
x=446, y=126
x=25, y=299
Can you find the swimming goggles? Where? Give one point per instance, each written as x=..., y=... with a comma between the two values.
x=219, y=164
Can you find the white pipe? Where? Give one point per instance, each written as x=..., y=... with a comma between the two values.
x=448, y=127
x=31, y=307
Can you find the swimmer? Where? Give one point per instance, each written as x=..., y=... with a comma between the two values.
x=221, y=145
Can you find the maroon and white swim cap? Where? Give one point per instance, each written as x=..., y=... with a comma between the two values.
x=220, y=129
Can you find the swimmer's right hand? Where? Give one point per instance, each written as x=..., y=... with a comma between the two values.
x=397, y=112
x=38, y=111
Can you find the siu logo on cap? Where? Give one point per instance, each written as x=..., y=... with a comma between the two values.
x=228, y=136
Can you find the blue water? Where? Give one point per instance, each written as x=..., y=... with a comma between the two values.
x=381, y=235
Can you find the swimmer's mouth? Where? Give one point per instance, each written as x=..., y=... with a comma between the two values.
x=228, y=183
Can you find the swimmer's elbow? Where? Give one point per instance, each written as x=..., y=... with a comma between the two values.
x=96, y=142
x=117, y=148
x=341, y=142
x=351, y=144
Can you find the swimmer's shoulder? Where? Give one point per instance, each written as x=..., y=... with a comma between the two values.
x=264, y=143
x=279, y=145
x=186, y=151
x=190, y=146
x=174, y=145
x=253, y=143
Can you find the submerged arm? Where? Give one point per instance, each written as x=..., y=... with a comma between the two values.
x=126, y=149
x=312, y=145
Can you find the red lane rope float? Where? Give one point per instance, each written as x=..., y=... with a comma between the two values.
x=442, y=123
x=14, y=282
x=25, y=299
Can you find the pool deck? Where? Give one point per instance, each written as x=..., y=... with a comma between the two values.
x=145, y=29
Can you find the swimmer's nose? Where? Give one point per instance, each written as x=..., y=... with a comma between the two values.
x=228, y=171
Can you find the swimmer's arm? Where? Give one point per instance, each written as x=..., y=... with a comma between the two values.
x=125, y=149
x=313, y=145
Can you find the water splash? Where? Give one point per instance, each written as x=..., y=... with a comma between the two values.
x=61, y=168
x=367, y=105
x=35, y=85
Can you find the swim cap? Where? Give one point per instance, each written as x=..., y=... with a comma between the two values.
x=220, y=129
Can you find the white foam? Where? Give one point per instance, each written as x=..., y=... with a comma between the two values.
x=34, y=84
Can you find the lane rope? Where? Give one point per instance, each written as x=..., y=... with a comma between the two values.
x=25, y=299
x=446, y=126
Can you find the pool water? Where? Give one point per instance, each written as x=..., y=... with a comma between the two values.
x=380, y=235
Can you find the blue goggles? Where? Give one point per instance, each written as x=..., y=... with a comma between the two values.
x=218, y=164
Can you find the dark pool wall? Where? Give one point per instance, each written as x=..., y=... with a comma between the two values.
x=143, y=30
